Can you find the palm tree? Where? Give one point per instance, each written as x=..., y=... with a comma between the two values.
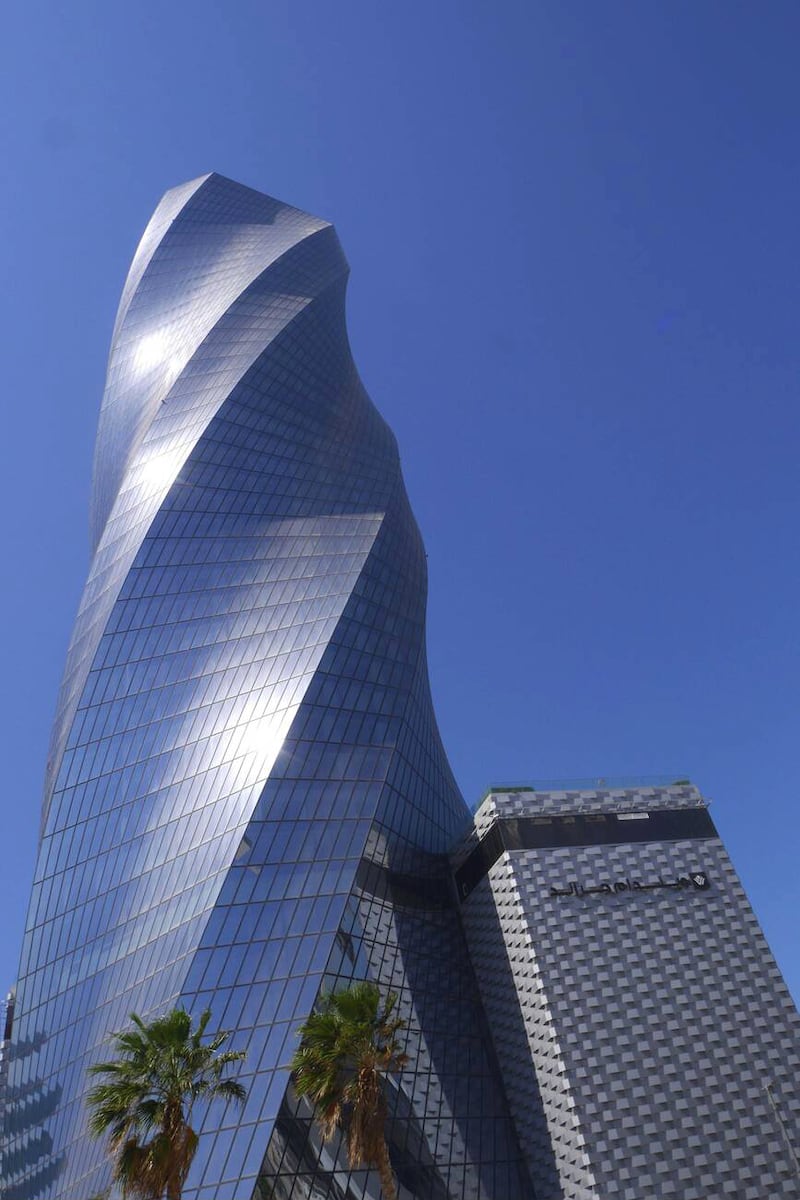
x=144, y=1104
x=346, y=1047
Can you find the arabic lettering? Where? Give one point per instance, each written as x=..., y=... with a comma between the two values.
x=697, y=880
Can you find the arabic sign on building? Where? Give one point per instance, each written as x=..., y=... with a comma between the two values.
x=694, y=881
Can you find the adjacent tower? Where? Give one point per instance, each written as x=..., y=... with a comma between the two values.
x=246, y=792
x=649, y=1044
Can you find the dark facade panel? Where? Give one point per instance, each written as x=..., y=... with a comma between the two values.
x=579, y=829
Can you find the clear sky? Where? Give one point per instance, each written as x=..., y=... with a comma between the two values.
x=573, y=233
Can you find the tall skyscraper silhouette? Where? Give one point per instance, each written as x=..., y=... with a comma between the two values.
x=247, y=803
x=247, y=797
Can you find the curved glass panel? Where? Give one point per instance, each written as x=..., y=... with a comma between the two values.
x=246, y=791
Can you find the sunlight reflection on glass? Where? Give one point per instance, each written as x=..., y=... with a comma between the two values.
x=151, y=351
x=160, y=472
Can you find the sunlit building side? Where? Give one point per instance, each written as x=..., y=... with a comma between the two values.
x=246, y=794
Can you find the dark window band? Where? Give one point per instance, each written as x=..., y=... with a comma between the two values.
x=582, y=829
x=407, y=891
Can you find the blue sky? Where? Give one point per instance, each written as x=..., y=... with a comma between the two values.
x=574, y=241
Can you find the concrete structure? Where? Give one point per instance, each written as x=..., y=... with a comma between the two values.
x=649, y=1045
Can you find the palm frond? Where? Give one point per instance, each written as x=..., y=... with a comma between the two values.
x=346, y=1046
x=229, y=1090
x=143, y=1098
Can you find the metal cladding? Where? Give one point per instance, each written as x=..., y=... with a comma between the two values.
x=649, y=1045
x=246, y=796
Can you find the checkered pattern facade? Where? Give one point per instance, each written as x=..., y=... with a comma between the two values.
x=649, y=1045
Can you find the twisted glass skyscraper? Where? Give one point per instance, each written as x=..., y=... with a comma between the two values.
x=247, y=798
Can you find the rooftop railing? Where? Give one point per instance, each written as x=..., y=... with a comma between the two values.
x=590, y=783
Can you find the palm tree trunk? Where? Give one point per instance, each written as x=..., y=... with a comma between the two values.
x=384, y=1165
x=175, y=1129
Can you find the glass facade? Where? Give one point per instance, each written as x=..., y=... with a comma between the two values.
x=246, y=797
